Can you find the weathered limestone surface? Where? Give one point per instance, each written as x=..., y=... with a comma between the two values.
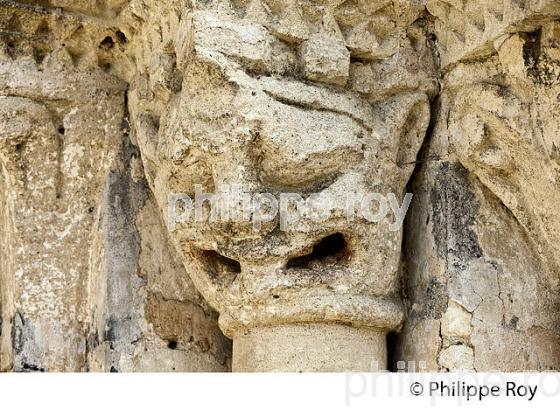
x=87, y=281
x=482, y=273
x=107, y=107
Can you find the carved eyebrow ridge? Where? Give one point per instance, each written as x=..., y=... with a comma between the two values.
x=313, y=103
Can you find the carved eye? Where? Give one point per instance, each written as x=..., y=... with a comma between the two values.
x=332, y=249
x=483, y=143
x=488, y=128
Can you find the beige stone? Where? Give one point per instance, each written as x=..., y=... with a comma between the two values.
x=326, y=60
x=456, y=322
x=309, y=348
x=107, y=108
x=457, y=358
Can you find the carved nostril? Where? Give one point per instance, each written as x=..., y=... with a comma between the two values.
x=221, y=264
x=330, y=250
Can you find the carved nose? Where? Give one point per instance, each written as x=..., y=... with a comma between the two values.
x=237, y=186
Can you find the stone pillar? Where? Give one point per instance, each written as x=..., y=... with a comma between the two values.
x=310, y=347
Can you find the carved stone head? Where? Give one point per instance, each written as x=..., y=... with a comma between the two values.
x=316, y=97
x=502, y=130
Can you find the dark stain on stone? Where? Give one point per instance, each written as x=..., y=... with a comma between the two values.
x=27, y=353
x=454, y=212
x=107, y=43
x=513, y=322
x=123, y=199
x=31, y=368
x=118, y=328
x=433, y=301
x=18, y=338
x=540, y=67
x=532, y=53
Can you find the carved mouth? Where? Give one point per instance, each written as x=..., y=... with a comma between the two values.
x=331, y=250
